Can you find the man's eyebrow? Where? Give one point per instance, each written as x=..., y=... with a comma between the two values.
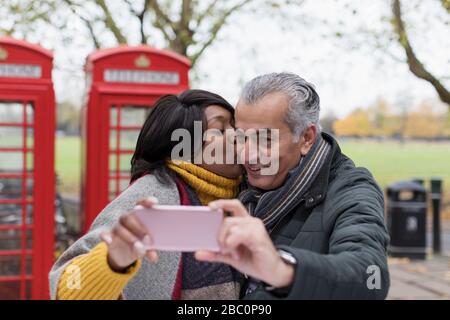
x=218, y=117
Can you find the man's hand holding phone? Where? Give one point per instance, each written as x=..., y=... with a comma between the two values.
x=246, y=246
x=128, y=239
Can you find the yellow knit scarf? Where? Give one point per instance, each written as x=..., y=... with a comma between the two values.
x=208, y=186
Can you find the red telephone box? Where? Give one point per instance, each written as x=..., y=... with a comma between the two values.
x=27, y=179
x=123, y=85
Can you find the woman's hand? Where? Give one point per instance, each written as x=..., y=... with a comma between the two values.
x=127, y=240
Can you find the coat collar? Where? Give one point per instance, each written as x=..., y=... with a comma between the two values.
x=317, y=191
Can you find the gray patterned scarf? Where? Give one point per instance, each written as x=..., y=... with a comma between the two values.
x=273, y=205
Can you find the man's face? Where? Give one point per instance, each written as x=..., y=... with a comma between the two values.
x=269, y=113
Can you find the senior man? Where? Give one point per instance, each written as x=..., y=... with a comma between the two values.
x=315, y=228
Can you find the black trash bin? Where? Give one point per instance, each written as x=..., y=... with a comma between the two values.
x=406, y=219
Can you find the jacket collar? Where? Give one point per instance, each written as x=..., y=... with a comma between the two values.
x=317, y=191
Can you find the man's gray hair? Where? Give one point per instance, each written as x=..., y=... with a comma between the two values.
x=304, y=102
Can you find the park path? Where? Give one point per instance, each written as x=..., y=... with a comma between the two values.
x=423, y=279
x=427, y=279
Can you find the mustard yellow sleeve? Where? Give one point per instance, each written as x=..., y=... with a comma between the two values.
x=89, y=277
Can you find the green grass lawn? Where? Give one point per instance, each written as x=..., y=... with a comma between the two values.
x=388, y=161
x=393, y=161
x=68, y=163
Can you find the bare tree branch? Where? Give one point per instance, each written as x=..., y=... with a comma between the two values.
x=88, y=23
x=184, y=35
x=7, y=32
x=157, y=24
x=181, y=30
x=25, y=14
x=216, y=28
x=160, y=14
x=416, y=67
x=130, y=5
x=90, y=28
x=140, y=15
x=185, y=18
x=208, y=12
x=110, y=23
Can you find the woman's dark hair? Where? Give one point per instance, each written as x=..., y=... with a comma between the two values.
x=171, y=112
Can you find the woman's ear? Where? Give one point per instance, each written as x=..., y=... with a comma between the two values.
x=308, y=138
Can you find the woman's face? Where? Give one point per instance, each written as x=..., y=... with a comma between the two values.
x=220, y=119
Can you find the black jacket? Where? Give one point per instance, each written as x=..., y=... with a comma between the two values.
x=337, y=235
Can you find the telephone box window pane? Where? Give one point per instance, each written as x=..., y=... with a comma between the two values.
x=30, y=113
x=128, y=139
x=29, y=265
x=112, y=163
x=133, y=115
x=11, y=112
x=29, y=239
x=30, y=188
x=30, y=161
x=113, y=116
x=122, y=183
x=129, y=115
x=12, y=137
x=9, y=290
x=11, y=212
x=11, y=265
x=11, y=188
x=11, y=161
x=125, y=163
x=29, y=285
x=12, y=240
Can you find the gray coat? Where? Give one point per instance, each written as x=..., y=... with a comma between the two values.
x=153, y=281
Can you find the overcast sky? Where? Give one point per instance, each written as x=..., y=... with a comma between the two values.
x=348, y=71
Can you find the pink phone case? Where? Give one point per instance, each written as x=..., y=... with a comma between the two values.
x=182, y=228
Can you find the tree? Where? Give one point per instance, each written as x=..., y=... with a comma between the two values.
x=379, y=120
x=68, y=117
x=383, y=121
x=425, y=123
x=187, y=27
x=447, y=124
x=22, y=16
x=356, y=124
x=394, y=37
x=415, y=65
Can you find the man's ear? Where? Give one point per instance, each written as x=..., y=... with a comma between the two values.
x=308, y=138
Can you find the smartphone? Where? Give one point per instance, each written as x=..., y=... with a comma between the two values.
x=182, y=228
